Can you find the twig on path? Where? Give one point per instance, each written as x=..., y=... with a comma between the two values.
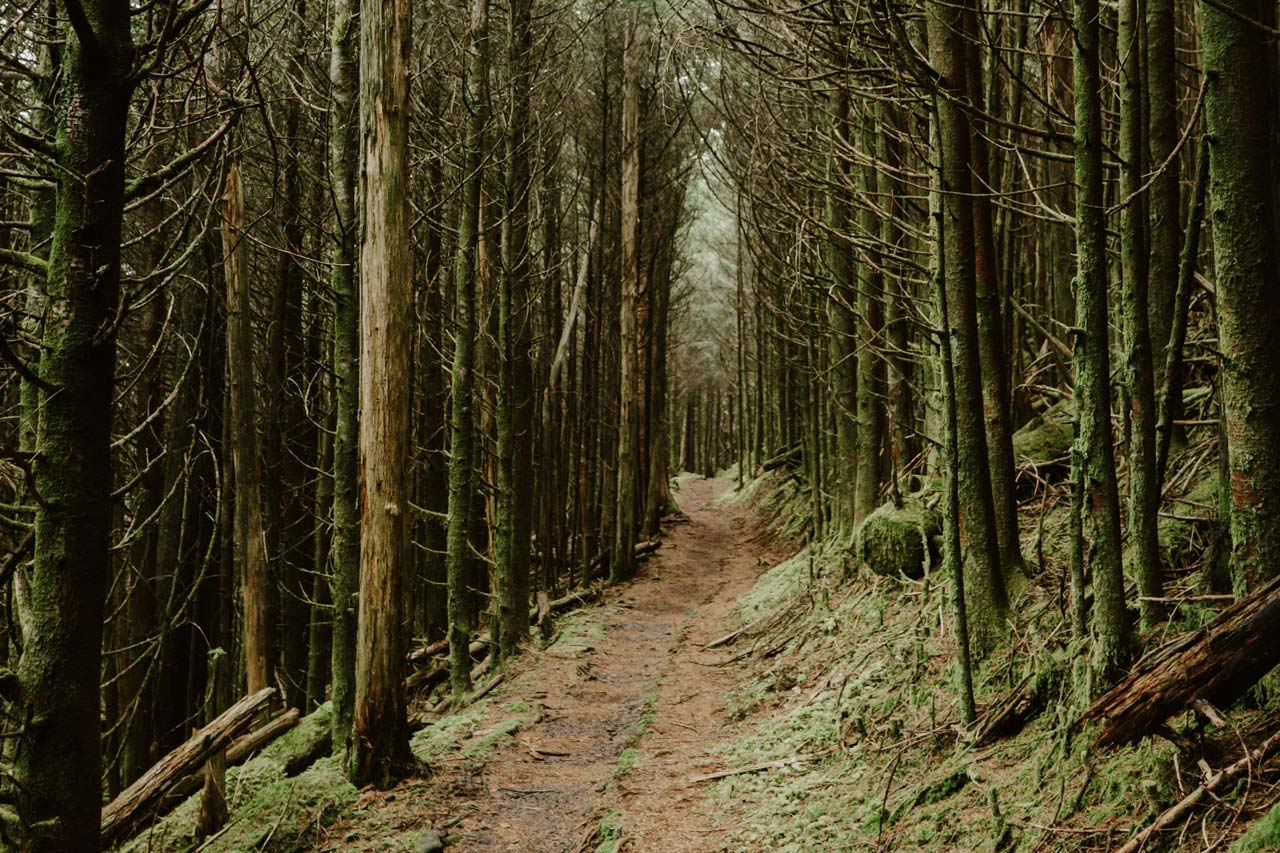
x=794, y=762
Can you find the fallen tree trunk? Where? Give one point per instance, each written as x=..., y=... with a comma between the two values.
x=1216, y=663
x=243, y=748
x=134, y=802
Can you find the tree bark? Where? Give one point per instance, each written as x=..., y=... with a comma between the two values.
x=1093, y=355
x=380, y=735
x=344, y=44
x=1239, y=117
x=462, y=427
x=984, y=583
x=57, y=768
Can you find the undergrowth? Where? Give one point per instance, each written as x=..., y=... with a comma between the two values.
x=852, y=698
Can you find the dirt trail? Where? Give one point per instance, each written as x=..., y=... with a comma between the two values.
x=646, y=687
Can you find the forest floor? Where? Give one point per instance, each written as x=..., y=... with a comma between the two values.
x=599, y=736
x=826, y=722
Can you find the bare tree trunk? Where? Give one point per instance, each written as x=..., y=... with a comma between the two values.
x=380, y=745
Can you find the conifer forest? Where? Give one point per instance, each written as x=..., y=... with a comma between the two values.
x=706, y=426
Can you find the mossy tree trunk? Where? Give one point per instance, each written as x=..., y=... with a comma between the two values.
x=57, y=767
x=992, y=356
x=1101, y=502
x=515, y=421
x=462, y=422
x=344, y=44
x=1241, y=124
x=1144, y=495
x=984, y=583
x=871, y=369
x=840, y=315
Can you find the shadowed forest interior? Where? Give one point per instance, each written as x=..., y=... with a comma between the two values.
x=688, y=425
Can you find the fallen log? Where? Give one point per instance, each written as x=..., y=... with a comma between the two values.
x=789, y=457
x=1216, y=663
x=134, y=802
x=1176, y=812
x=242, y=749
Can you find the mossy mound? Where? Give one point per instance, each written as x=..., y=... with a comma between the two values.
x=1045, y=441
x=896, y=540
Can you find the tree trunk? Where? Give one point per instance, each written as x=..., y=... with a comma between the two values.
x=380, y=734
x=984, y=583
x=344, y=282
x=57, y=769
x=1239, y=117
x=1092, y=353
x=620, y=565
x=462, y=427
x=1144, y=493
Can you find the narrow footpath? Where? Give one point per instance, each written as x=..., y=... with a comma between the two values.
x=628, y=715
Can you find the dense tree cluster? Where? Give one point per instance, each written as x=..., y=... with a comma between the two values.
x=336, y=333
x=326, y=326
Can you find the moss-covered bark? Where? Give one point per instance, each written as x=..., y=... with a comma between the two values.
x=984, y=584
x=1093, y=355
x=458, y=563
x=1162, y=197
x=1144, y=494
x=871, y=370
x=514, y=416
x=57, y=766
x=1241, y=124
x=344, y=172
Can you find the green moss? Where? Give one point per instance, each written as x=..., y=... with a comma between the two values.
x=283, y=816
x=301, y=745
x=483, y=744
x=609, y=833
x=627, y=761
x=254, y=787
x=895, y=541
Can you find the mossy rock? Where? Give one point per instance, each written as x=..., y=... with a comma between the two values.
x=1046, y=440
x=896, y=540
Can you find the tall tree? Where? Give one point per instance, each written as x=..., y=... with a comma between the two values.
x=57, y=768
x=1144, y=496
x=1096, y=462
x=984, y=583
x=621, y=562
x=380, y=735
x=1240, y=120
x=462, y=422
x=344, y=172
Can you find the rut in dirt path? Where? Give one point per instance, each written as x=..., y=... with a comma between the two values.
x=646, y=687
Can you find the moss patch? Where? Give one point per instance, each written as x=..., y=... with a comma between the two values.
x=1262, y=836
